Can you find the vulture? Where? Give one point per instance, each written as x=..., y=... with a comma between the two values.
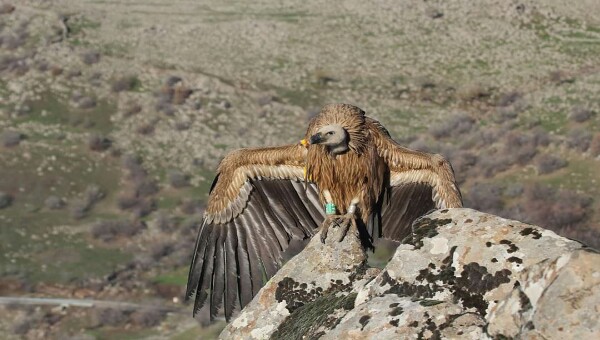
x=347, y=170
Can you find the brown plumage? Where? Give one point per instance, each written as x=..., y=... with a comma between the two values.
x=263, y=199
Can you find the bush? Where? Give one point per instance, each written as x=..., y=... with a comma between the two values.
x=54, y=202
x=86, y=102
x=146, y=187
x=453, y=126
x=127, y=201
x=546, y=164
x=90, y=57
x=110, y=229
x=462, y=162
x=587, y=236
x=6, y=8
x=164, y=222
x=90, y=197
x=485, y=197
x=5, y=200
x=11, y=138
x=191, y=206
x=579, y=140
x=109, y=317
x=555, y=209
x=509, y=98
x=177, y=179
x=595, y=145
x=519, y=148
x=147, y=317
x=132, y=109
x=98, y=142
x=145, y=129
x=126, y=83
x=23, y=325
x=161, y=249
x=144, y=208
x=581, y=115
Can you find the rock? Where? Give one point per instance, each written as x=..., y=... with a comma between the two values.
x=556, y=298
x=463, y=274
x=309, y=294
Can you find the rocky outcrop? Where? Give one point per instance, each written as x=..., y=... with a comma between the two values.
x=463, y=274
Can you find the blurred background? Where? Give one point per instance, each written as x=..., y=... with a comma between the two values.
x=114, y=115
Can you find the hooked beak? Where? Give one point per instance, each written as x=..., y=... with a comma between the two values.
x=316, y=138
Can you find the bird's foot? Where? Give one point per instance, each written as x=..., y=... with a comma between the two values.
x=344, y=221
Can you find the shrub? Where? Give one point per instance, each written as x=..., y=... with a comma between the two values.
x=146, y=187
x=191, y=206
x=126, y=83
x=595, y=145
x=11, y=138
x=109, y=229
x=587, y=236
x=453, y=126
x=23, y=325
x=553, y=208
x=86, y=102
x=147, y=317
x=73, y=74
x=144, y=208
x=90, y=57
x=509, y=98
x=98, y=142
x=581, y=115
x=160, y=249
x=177, y=179
x=90, y=197
x=5, y=200
x=6, y=8
x=546, y=164
x=56, y=71
x=145, y=129
x=579, y=139
x=132, y=109
x=462, y=162
x=519, y=148
x=182, y=126
x=164, y=222
x=110, y=317
x=485, y=197
x=54, y=202
x=127, y=201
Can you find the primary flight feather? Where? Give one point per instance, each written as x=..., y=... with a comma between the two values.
x=265, y=198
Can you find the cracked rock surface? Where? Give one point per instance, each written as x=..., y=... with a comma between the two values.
x=462, y=275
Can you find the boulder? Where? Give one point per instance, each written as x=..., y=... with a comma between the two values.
x=462, y=274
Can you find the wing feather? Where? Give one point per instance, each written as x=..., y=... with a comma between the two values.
x=257, y=207
x=218, y=276
x=231, y=270
x=419, y=182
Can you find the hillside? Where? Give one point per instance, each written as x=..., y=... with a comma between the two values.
x=114, y=114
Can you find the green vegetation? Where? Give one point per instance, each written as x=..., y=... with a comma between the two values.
x=176, y=277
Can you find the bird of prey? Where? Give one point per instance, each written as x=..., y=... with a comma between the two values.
x=347, y=169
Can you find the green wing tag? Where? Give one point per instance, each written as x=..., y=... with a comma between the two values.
x=330, y=209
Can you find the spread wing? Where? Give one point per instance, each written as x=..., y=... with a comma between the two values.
x=257, y=205
x=419, y=182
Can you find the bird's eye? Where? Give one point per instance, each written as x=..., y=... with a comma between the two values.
x=330, y=133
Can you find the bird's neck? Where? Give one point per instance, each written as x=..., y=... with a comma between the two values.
x=338, y=149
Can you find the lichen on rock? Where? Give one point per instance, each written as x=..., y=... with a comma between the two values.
x=462, y=274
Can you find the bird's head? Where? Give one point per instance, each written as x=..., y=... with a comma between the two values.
x=333, y=136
